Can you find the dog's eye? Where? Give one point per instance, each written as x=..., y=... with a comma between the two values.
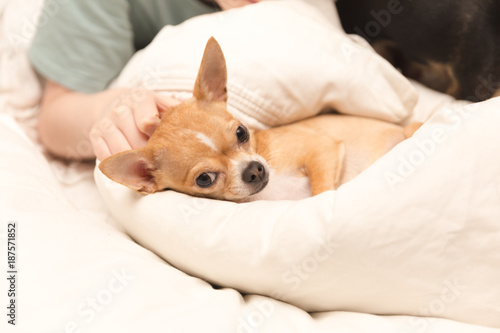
x=242, y=134
x=206, y=179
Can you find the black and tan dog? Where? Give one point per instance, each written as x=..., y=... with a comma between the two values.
x=450, y=45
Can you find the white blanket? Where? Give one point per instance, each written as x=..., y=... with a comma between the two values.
x=79, y=272
x=416, y=233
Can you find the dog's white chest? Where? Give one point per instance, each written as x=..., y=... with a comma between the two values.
x=284, y=187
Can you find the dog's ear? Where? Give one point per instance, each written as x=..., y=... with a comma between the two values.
x=133, y=168
x=211, y=82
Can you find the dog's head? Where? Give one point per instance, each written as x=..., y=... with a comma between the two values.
x=199, y=148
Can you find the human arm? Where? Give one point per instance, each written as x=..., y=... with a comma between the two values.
x=75, y=125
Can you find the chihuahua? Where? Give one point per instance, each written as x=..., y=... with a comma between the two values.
x=200, y=149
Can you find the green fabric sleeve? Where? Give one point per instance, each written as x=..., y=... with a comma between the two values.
x=84, y=44
x=149, y=16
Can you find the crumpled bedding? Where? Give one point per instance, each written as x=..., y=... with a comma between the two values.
x=80, y=271
x=270, y=48
x=416, y=233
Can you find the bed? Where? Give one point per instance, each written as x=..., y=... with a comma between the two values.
x=410, y=245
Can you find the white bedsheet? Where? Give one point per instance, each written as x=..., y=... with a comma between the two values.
x=78, y=272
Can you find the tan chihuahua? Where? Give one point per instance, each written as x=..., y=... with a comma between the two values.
x=200, y=149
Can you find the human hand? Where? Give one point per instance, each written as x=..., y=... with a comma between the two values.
x=128, y=122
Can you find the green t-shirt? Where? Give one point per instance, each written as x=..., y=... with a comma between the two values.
x=84, y=44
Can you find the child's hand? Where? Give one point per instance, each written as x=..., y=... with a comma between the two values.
x=128, y=122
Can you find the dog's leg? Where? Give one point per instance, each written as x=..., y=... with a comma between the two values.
x=317, y=156
x=411, y=128
x=324, y=164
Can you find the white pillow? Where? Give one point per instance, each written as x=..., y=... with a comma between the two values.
x=417, y=233
x=286, y=60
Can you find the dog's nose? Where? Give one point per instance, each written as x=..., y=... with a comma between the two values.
x=254, y=173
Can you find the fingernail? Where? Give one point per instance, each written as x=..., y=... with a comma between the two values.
x=150, y=125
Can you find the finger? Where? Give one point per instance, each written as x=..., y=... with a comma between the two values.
x=116, y=140
x=163, y=103
x=107, y=130
x=145, y=111
x=101, y=149
x=123, y=119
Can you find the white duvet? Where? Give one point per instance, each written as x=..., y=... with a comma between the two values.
x=414, y=238
x=417, y=233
